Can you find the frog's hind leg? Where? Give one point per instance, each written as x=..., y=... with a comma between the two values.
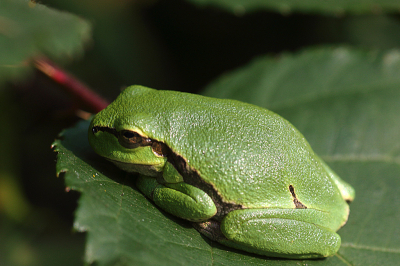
x=287, y=233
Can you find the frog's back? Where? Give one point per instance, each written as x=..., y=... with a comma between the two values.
x=252, y=156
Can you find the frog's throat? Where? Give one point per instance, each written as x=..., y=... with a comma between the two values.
x=192, y=177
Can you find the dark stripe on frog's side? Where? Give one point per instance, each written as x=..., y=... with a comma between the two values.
x=192, y=177
x=296, y=202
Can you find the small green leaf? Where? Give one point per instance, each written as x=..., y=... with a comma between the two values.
x=346, y=103
x=332, y=7
x=28, y=30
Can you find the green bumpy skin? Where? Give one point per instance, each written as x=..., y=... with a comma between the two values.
x=242, y=174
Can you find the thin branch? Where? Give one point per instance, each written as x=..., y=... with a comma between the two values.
x=72, y=85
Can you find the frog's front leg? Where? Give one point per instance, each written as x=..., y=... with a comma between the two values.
x=287, y=233
x=180, y=199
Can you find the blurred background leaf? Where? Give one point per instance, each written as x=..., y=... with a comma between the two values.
x=331, y=7
x=29, y=30
x=184, y=45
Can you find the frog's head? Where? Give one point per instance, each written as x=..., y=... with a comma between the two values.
x=118, y=133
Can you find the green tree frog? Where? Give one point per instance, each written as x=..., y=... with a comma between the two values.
x=243, y=175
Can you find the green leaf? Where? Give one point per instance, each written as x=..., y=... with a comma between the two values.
x=345, y=102
x=332, y=7
x=28, y=30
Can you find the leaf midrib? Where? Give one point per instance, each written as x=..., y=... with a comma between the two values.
x=372, y=248
x=359, y=158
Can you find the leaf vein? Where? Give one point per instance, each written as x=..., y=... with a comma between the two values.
x=371, y=248
x=362, y=158
x=343, y=259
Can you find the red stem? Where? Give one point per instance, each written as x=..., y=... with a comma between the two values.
x=91, y=99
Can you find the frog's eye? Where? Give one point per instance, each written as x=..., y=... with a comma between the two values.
x=130, y=139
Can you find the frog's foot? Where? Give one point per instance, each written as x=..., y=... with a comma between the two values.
x=210, y=229
x=286, y=233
